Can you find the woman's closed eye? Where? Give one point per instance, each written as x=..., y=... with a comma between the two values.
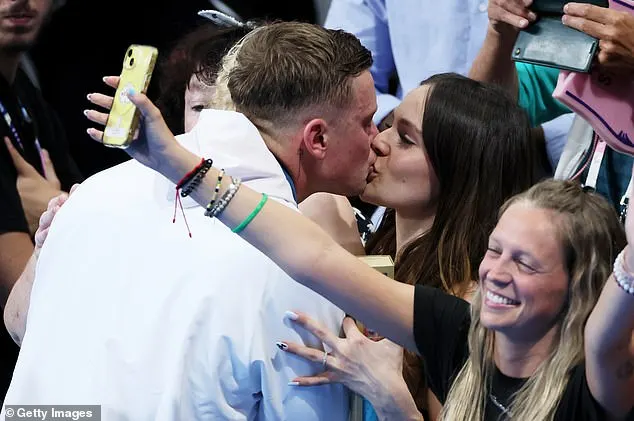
x=198, y=108
x=493, y=251
x=525, y=266
x=405, y=140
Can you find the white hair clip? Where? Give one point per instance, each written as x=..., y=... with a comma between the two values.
x=224, y=20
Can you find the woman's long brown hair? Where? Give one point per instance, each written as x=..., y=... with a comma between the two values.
x=479, y=145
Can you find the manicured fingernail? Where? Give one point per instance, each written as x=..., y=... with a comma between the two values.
x=566, y=7
x=564, y=19
x=89, y=97
x=291, y=315
x=86, y=113
x=532, y=16
x=282, y=346
x=105, y=78
x=131, y=91
x=523, y=23
x=293, y=383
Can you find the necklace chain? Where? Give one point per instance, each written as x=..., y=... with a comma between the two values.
x=497, y=403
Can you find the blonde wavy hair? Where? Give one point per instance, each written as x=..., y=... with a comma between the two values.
x=591, y=236
x=221, y=100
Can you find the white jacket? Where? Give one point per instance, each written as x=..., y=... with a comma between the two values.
x=130, y=313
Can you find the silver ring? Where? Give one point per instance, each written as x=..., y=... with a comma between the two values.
x=324, y=360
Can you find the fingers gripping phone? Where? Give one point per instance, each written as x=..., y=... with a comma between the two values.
x=123, y=119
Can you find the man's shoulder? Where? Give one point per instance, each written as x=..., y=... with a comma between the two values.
x=124, y=176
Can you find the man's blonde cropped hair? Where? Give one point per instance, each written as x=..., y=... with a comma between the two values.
x=284, y=68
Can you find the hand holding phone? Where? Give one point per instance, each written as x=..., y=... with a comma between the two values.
x=123, y=119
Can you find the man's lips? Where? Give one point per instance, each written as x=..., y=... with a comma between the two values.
x=19, y=20
x=19, y=17
x=371, y=175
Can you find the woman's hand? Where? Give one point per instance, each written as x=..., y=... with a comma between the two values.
x=613, y=28
x=54, y=205
x=155, y=146
x=16, y=309
x=509, y=16
x=371, y=369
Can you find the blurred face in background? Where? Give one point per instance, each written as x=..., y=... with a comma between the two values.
x=20, y=23
x=197, y=97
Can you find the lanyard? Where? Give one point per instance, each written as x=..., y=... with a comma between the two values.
x=9, y=121
x=16, y=135
x=593, y=175
x=625, y=201
x=595, y=165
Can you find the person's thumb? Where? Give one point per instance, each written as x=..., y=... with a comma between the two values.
x=50, y=173
x=148, y=110
x=21, y=165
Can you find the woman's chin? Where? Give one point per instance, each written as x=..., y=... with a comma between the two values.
x=369, y=196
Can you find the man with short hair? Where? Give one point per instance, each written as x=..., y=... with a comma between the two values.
x=153, y=323
x=35, y=164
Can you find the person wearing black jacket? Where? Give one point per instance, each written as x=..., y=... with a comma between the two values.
x=35, y=165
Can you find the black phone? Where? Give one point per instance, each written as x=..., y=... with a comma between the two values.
x=548, y=42
x=556, y=7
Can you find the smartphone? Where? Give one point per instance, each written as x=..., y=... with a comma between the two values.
x=123, y=119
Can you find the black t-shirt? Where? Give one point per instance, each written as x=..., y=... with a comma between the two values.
x=441, y=328
x=33, y=118
x=37, y=119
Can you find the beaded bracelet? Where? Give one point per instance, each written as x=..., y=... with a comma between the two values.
x=623, y=278
x=215, y=195
x=195, y=181
x=225, y=199
x=248, y=219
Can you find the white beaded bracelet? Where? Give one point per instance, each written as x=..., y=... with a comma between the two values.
x=623, y=277
x=225, y=199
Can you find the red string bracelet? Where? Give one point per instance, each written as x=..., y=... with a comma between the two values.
x=177, y=200
x=187, y=177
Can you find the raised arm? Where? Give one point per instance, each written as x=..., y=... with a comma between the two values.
x=609, y=336
x=493, y=63
x=530, y=85
x=296, y=244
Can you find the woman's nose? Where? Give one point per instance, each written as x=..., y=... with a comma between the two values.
x=498, y=272
x=380, y=145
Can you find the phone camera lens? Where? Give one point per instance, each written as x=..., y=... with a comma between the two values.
x=132, y=62
x=130, y=52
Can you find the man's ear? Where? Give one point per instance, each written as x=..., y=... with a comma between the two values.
x=315, y=138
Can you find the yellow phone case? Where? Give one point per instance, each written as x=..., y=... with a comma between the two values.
x=123, y=120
